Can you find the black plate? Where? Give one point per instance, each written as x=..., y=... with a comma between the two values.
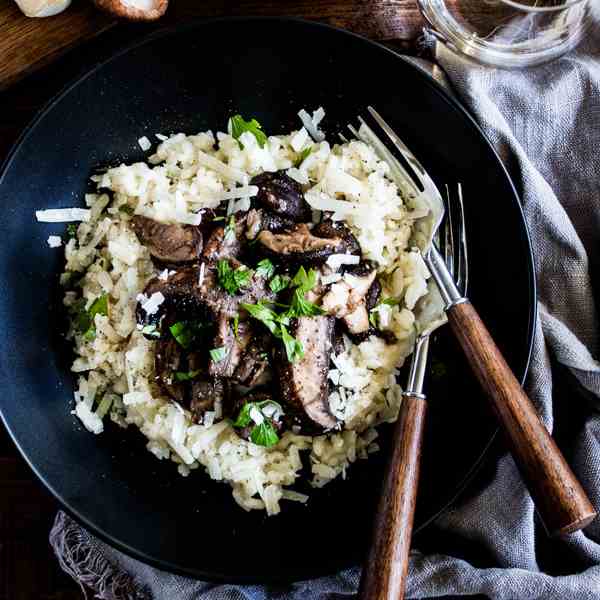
x=193, y=79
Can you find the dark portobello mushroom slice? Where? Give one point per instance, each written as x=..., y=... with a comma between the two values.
x=185, y=295
x=299, y=245
x=234, y=347
x=338, y=229
x=226, y=241
x=280, y=194
x=254, y=368
x=262, y=219
x=303, y=383
x=205, y=394
x=169, y=243
x=168, y=358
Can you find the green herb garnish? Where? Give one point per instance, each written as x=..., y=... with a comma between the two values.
x=221, y=218
x=85, y=319
x=239, y=126
x=264, y=434
x=265, y=269
x=302, y=157
x=279, y=283
x=186, y=376
x=293, y=347
x=186, y=332
x=300, y=307
x=71, y=231
x=218, y=354
x=232, y=280
x=236, y=327
x=261, y=312
x=230, y=230
x=374, y=313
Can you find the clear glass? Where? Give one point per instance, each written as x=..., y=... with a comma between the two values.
x=510, y=33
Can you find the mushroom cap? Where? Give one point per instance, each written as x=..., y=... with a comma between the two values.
x=134, y=10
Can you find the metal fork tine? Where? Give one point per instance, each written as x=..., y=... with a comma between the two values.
x=449, y=247
x=462, y=240
x=400, y=145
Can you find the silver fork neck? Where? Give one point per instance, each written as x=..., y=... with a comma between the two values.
x=448, y=290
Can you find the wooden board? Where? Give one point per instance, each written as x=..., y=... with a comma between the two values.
x=27, y=44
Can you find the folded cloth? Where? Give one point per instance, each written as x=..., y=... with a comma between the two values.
x=545, y=124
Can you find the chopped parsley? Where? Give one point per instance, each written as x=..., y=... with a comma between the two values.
x=232, y=280
x=230, y=230
x=263, y=433
x=219, y=354
x=293, y=347
x=239, y=125
x=265, y=268
x=236, y=327
x=85, y=318
x=279, y=283
x=221, y=218
x=186, y=376
x=374, y=312
x=186, y=332
x=303, y=156
x=277, y=323
x=71, y=231
x=300, y=307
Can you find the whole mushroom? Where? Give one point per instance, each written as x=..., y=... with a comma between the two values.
x=134, y=10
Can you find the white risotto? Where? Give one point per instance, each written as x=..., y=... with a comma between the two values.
x=111, y=267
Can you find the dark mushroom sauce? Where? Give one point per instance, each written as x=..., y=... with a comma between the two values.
x=244, y=327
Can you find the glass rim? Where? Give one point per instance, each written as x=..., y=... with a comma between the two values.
x=541, y=9
x=485, y=52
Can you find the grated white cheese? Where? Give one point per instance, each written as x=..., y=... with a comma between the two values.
x=335, y=261
x=298, y=175
x=144, y=143
x=91, y=421
x=54, y=241
x=201, y=275
x=299, y=139
x=63, y=215
x=161, y=137
x=312, y=123
x=327, y=279
x=256, y=415
x=134, y=398
x=150, y=305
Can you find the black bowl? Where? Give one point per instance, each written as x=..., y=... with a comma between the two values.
x=191, y=79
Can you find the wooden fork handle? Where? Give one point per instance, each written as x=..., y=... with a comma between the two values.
x=384, y=572
x=559, y=498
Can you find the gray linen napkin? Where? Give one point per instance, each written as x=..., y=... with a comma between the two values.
x=545, y=124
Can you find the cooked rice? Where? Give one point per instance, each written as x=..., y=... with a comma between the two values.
x=116, y=367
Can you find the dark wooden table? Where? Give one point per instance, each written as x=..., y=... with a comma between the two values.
x=28, y=569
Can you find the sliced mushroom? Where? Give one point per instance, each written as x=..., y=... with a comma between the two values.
x=304, y=382
x=280, y=194
x=253, y=368
x=186, y=293
x=206, y=394
x=171, y=243
x=226, y=242
x=261, y=219
x=299, y=245
x=233, y=345
x=338, y=230
x=134, y=10
x=167, y=361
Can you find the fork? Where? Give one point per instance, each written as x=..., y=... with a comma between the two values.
x=403, y=473
x=559, y=498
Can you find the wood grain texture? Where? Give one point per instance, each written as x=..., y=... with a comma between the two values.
x=385, y=570
x=27, y=44
x=559, y=498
